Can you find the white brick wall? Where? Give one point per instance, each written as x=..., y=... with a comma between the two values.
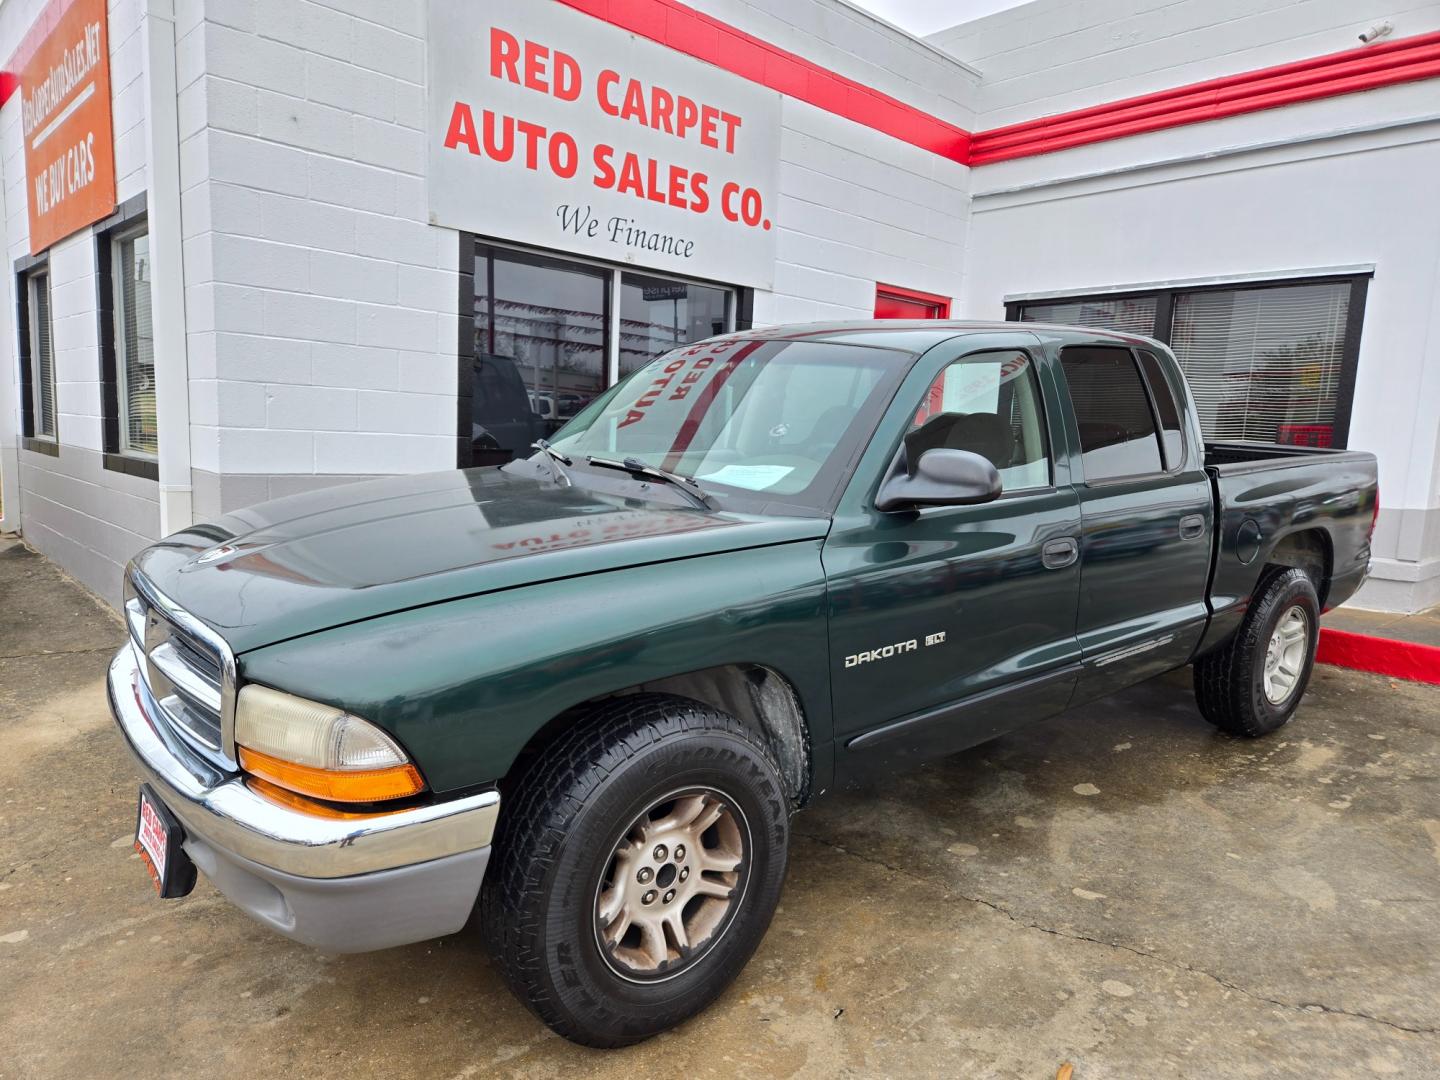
x=308, y=244
x=88, y=518
x=846, y=40
x=1050, y=56
x=310, y=206
x=857, y=207
x=321, y=305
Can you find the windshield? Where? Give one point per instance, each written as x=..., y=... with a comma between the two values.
x=745, y=417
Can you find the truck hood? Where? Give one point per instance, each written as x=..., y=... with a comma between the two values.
x=310, y=562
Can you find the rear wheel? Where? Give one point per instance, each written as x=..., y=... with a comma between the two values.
x=1253, y=683
x=636, y=868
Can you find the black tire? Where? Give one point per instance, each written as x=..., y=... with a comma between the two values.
x=554, y=845
x=1230, y=680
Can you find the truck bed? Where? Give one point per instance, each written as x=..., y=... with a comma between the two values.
x=1234, y=458
x=1265, y=492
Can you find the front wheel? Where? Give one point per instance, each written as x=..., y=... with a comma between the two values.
x=1253, y=683
x=636, y=868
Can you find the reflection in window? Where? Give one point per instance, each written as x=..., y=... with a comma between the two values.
x=989, y=404
x=546, y=333
x=1264, y=364
x=42, y=356
x=540, y=339
x=657, y=314
x=135, y=344
x=1171, y=430
x=1123, y=314
x=1117, y=427
x=777, y=417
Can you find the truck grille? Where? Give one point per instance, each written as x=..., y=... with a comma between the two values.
x=184, y=665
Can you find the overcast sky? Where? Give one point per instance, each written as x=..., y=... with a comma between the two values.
x=927, y=16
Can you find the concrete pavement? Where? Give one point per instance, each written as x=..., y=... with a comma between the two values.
x=1122, y=888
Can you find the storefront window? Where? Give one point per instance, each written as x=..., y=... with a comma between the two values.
x=546, y=334
x=1270, y=361
x=657, y=314
x=540, y=347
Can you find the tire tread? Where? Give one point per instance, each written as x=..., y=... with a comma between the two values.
x=549, y=794
x=1222, y=688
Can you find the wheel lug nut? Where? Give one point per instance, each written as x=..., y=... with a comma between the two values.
x=645, y=875
x=684, y=872
x=679, y=852
x=648, y=898
x=670, y=896
x=660, y=852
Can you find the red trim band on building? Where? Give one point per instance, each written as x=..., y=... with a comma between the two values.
x=706, y=38
x=1347, y=72
x=1383, y=656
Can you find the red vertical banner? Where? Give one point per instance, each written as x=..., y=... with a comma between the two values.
x=64, y=69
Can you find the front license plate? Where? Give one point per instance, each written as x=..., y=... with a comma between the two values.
x=158, y=837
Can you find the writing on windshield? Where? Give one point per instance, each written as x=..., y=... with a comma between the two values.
x=754, y=414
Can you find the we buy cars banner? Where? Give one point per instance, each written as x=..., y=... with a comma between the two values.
x=550, y=127
x=64, y=76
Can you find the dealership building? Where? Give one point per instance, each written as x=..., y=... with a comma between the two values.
x=262, y=246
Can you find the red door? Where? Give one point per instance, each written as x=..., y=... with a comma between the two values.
x=892, y=302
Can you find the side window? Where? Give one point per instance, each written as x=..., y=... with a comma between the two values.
x=135, y=344
x=1117, y=427
x=42, y=356
x=1172, y=433
x=989, y=403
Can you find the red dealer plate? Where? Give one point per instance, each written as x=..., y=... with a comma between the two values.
x=158, y=839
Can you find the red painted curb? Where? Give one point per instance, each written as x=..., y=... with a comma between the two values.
x=1383, y=656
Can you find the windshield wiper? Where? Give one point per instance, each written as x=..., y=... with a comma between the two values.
x=555, y=460
x=636, y=467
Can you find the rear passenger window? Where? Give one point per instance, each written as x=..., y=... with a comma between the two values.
x=1117, y=427
x=1171, y=436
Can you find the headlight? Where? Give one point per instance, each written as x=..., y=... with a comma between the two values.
x=318, y=750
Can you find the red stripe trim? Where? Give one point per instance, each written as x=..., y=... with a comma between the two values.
x=696, y=34
x=1383, y=656
x=1346, y=72
x=706, y=38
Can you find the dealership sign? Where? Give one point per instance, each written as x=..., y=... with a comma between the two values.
x=64, y=66
x=550, y=127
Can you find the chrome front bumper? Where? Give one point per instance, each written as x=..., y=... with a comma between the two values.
x=350, y=884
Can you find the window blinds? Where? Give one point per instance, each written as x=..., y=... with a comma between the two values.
x=43, y=360
x=1126, y=315
x=137, y=344
x=1264, y=364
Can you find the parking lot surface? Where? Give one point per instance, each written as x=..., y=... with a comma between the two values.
x=1121, y=888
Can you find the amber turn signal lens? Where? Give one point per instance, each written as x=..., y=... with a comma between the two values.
x=355, y=786
x=292, y=801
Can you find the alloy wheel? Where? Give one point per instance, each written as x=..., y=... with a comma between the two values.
x=672, y=884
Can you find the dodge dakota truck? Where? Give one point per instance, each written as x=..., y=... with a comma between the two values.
x=579, y=695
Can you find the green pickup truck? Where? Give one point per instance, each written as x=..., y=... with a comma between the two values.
x=581, y=694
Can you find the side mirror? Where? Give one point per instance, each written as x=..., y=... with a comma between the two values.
x=940, y=477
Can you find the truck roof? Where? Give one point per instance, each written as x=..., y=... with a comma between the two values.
x=921, y=334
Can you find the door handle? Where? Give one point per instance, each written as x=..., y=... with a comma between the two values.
x=1192, y=526
x=1060, y=553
